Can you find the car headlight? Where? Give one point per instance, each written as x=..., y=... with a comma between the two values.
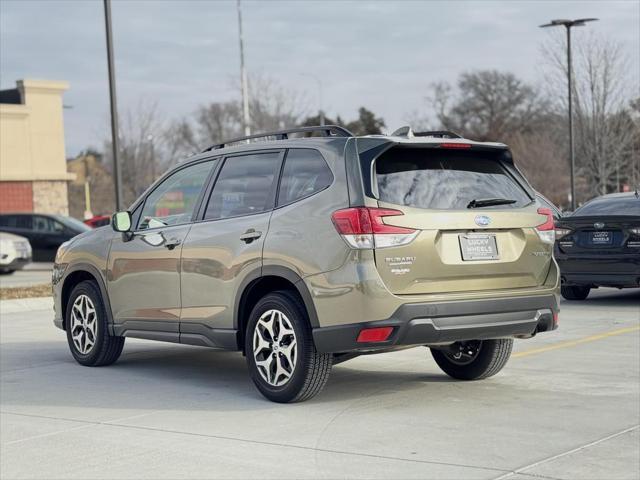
x=6, y=246
x=58, y=272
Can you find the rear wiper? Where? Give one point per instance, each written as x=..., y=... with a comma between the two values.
x=489, y=202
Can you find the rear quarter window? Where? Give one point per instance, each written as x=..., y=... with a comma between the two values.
x=444, y=179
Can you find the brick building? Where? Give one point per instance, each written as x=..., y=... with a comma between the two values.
x=33, y=170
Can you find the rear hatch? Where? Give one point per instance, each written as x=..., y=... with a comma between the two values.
x=605, y=235
x=475, y=220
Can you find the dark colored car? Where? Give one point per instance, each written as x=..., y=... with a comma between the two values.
x=599, y=245
x=98, y=221
x=45, y=232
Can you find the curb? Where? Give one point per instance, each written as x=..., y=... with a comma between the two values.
x=20, y=305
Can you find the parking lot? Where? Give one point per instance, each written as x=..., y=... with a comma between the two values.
x=566, y=406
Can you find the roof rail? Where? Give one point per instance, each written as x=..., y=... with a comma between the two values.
x=326, y=130
x=409, y=133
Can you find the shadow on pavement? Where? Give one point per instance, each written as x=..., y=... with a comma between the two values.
x=175, y=377
x=609, y=296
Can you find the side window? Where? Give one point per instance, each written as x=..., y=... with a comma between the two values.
x=305, y=173
x=46, y=225
x=244, y=186
x=16, y=221
x=173, y=201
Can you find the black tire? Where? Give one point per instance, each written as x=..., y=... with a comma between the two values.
x=491, y=357
x=7, y=271
x=106, y=348
x=311, y=370
x=575, y=293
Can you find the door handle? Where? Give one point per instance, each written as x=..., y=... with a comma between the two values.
x=250, y=235
x=172, y=243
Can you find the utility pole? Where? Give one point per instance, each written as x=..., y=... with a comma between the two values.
x=568, y=24
x=246, y=119
x=114, y=107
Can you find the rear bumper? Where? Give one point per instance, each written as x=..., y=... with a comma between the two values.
x=448, y=322
x=600, y=270
x=601, y=280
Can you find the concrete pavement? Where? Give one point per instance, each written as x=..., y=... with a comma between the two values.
x=566, y=406
x=33, y=274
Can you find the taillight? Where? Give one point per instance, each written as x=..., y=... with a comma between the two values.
x=377, y=334
x=546, y=231
x=455, y=145
x=362, y=227
x=562, y=232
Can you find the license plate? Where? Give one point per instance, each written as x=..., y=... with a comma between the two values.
x=478, y=247
x=601, y=238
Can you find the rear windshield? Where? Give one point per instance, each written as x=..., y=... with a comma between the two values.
x=445, y=179
x=611, y=206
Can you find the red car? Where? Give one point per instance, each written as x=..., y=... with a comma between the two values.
x=98, y=221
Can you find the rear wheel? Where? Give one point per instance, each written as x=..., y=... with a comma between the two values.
x=282, y=358
x=575, y=293
x=474, y=359
x=86, y=325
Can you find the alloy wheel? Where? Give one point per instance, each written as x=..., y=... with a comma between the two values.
x=84, y=324
x=275, y=347
x=463, y=353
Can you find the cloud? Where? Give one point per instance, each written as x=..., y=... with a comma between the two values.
x=179, y=54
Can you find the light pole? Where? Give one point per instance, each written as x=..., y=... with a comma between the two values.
x=114, y=106
x=319, y=82
x=246, y=120
x=568, y=24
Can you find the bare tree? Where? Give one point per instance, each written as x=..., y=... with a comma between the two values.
x=604, y=126
x=271, y=108
x=142, y=149
x=488, y=105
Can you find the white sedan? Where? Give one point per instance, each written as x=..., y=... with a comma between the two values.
x=15, y=252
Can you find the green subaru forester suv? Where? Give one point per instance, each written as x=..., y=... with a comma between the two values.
x=314, y=246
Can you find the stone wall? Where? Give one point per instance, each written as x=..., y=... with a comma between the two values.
x=50, y=196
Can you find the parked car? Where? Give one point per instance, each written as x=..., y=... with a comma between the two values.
x=306, y=252
x=98, y=221
x=599, y=245
x=44, y=232
x=15, y=252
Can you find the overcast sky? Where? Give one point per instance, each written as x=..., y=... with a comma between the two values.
x=381, y=54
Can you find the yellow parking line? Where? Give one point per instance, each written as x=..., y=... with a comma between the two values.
x=580, y=341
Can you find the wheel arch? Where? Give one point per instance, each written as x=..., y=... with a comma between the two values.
x=79, y=273
x=261, y=282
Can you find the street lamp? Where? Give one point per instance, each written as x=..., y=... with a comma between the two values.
x=246, y=119
x=568, y=24
x=319, y=82
x=114, y=106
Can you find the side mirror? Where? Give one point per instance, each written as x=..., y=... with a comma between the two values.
x=121, y=222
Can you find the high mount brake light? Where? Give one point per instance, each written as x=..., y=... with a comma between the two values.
x=455, y=145
x=362, y=227
x=546, y=231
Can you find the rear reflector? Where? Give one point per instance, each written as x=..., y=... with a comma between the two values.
x=455, y=145
x=378, y=334
x=556, y=319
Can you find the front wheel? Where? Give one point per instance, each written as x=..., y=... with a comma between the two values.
x=86, y=324
x=474, y=359
x=282, y=358
x=575, y=293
